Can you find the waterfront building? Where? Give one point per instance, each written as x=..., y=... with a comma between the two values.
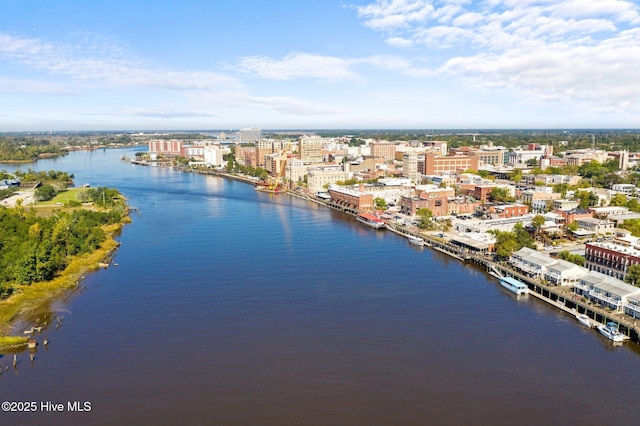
x=165, y=147
x=294, y=171
x=266, y=147
x=542, y=266
x=248, y=135
x=319, y=179
x=609, y=292
x=275, y=164
x=213, y=155
x=351, y=200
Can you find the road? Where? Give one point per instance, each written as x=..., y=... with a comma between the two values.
x=26, y=196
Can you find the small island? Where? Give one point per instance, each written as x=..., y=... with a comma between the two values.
x=52, y=234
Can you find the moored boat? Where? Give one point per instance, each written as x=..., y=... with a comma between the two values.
x=371, y=220
x=585, y=320
x=611, y=332
x=514, y=285
x=416, y=241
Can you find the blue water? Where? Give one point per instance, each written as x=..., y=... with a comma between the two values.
x=231, y=306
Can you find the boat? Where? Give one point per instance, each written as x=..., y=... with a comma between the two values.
x=611, y=332
x=585, y=320
x=269, y=189
x=514, y=285
x=416, y=241
x=371, y=220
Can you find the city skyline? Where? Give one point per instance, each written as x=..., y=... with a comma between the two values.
x=75, y=65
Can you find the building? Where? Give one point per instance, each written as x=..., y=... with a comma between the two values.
x=310, y=148
x=521, y=157
x=294, y=171
x=596, y=226
x=248, y=135
x=384, y=150
x=350, y=200
x=213, y=155
x=542, y=266
x=410, y=167
x=275, y=164
x=319, y=179
x=266, y=147
x=609, y=292
x=165, y=147
x=435, y=165
x=612, y=258
x=606, y=212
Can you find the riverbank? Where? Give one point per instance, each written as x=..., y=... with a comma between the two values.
x=18, y=311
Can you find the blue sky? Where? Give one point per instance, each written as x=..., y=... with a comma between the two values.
x=202, y=64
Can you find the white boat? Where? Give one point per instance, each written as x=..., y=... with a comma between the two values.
x=611, y=332
x=371, y=220
x=416, y=241
x=585, y=320
x=514, y=285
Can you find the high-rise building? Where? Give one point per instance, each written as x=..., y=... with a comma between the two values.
x=310, y=148
x=248, y=135
x=410, y=166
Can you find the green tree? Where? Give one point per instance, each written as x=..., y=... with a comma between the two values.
x=570, y=257
x=633, y=275
x=618, y=200
x=501, y=195
x=380, y=203
x=44, y=193
x=537, y=222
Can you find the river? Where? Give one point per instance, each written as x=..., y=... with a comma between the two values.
x=236, y=307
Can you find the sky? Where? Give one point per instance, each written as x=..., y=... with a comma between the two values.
x=318, y=64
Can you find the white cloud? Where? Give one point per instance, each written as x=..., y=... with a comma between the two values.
x=299, y=65
x=388, y=14
x=105, y=65
x=586, y=52
x=399, y=42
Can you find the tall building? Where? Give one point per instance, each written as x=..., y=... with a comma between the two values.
x=410, y=166
x=248, y=135
x=385, y=150
x=310, y=148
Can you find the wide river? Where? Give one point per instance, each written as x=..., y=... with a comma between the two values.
x=234, y=307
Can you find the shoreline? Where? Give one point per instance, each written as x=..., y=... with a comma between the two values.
x=16, y=312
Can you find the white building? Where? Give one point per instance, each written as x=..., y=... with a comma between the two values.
x=539, y=265
x=609, y=292
x=248, y=135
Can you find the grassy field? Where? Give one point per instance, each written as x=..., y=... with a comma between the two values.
x=65, y=196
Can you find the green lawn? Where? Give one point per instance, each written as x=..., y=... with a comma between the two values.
x=64, y=196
